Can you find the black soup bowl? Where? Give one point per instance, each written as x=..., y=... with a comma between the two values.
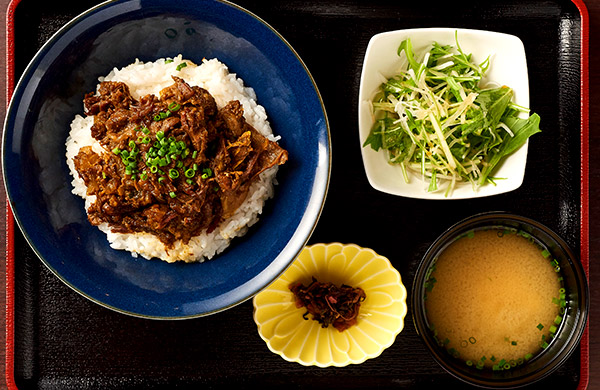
x=568, y=333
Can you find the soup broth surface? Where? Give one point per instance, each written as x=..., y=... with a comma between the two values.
x=493, y=298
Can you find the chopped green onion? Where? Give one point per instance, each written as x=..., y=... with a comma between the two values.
x=173, y=173
x=165, y=151
x=172, y=194
x=181, y=66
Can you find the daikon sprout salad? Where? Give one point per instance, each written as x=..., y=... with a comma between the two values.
x=444, y=113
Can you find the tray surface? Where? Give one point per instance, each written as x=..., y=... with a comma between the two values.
x=61, y=340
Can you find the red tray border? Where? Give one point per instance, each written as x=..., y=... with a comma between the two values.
x=584, y=173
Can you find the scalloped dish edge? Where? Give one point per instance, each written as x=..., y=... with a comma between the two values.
x=301, y=339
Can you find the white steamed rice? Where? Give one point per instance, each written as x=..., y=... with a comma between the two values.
x=151, y=78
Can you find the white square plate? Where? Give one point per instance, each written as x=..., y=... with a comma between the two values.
x=508, y=67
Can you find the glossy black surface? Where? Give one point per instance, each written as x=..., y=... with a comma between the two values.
x=63, y=341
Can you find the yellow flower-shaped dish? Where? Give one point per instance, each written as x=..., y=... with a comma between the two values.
x=381, y=316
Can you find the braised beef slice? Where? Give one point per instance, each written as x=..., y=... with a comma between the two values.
x=192, y=192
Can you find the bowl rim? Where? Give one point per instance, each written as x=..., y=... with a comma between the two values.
x=292, y=248
x=574, y=337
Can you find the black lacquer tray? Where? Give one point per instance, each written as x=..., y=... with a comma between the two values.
x=59, y=340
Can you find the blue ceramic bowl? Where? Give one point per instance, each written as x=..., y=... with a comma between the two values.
x=50, y=94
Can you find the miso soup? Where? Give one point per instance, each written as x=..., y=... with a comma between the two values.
x=494, y=299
